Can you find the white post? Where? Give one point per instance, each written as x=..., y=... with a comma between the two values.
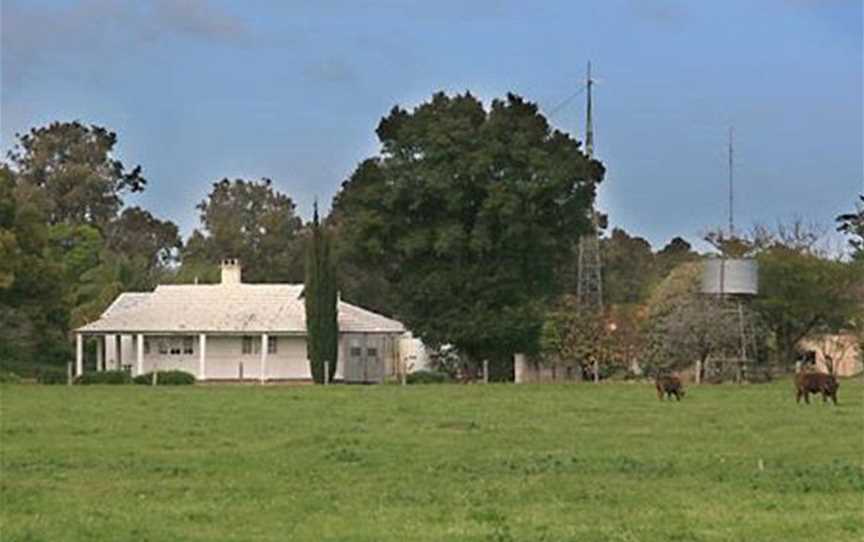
x=485, y=371
x=263, y=357
x=698, y=378
x=79, y=354
x=326, y=372
x=100, y=353
x=139, y=347
x=202, y=356
x=518, y=368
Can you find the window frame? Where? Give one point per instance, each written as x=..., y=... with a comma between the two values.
x=188, y=345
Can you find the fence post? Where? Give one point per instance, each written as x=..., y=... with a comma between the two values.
x=326, y=372
x=485, y=371
x=698, y=376
x=155, y=374
x=69, y=377
x=596, y=371
x=240, y=368
x=518, y=368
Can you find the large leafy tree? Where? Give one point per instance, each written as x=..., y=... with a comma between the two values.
x=676, y=252
x=251, y=221
x=65, y=252
x=852, y=224
x=467, y=213
x=801, y=292
x=684, y=326
x=628, y=268
x=76, y=168
x=136, y=232
x=321, y=299
x=574, y=338
x=33, y=284
x=8, y=239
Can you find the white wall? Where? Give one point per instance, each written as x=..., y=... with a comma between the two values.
x=412, y=353
x=224, y=354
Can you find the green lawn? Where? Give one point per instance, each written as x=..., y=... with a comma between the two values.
x=449, y=462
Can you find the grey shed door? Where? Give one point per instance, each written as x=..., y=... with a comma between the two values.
x=365, y=360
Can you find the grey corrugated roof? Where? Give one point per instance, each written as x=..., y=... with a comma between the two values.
x=226, y=308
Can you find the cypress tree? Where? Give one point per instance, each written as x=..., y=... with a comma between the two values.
x=320, y=297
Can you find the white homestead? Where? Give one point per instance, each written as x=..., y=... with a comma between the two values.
x=232, y=331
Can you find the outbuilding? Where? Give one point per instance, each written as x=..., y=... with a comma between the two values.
x=233, y=331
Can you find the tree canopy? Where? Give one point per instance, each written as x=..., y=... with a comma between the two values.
x=852, y=224
x=801, y=292
x=467, y=212
x=65, y=251
x=74, y=165
x=251, y=221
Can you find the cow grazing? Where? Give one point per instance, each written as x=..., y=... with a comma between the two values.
x=669, y=385
x=807, y=383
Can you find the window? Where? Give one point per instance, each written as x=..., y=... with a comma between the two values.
x=356, y=351
x=252, y=345
x=272, y=345
x=146, y=345
x=372, y=352
x=175, y=347
x=163, y=346
x=188, y=345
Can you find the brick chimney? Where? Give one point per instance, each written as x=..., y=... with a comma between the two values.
x=231, y=271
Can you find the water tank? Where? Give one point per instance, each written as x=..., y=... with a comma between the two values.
x=730, y=276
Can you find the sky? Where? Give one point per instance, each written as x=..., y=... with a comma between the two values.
x=200, y=90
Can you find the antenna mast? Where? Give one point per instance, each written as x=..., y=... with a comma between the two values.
x=589, y=279
x=589, y=125
x=731, y=182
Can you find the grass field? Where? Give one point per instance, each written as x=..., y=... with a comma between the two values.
x=450, y=462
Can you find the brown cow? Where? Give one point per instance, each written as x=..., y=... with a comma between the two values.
x=807, y=383
x=669, y=385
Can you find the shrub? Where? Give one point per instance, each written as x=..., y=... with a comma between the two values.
x=8, y=377
x=166, y=378
x=104, y=377
x=51, y=376
x=426, y=377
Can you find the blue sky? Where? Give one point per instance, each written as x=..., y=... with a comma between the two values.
x=293, y=91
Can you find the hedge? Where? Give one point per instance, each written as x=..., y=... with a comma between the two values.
x=166, y=378
x=104, y=377
x=8, y=377
x=426, y=377
x=51, y=376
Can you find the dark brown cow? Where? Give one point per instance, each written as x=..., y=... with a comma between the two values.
x=807, y=383
x=669, y=385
